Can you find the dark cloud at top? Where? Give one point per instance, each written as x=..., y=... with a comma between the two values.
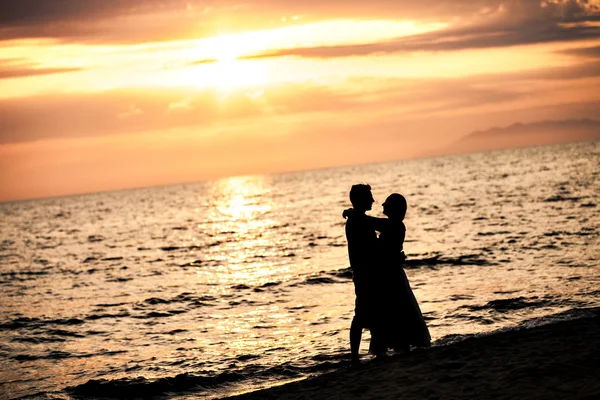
x=99, y=21
x=509, y=24
x=22, y=12
x=93, y=21
x=149, y=20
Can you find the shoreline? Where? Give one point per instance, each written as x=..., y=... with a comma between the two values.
x=555, y=360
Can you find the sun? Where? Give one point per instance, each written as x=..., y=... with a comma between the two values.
x=228, y=69
x=229, y=73
x=227, y=49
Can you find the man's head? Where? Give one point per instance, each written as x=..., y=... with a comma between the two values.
x=395, y=206
x=361, y=197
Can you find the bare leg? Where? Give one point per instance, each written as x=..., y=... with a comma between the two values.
x=355, y=337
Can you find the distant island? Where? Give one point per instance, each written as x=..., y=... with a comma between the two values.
x=529, y=134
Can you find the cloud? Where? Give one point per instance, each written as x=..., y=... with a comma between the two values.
x=128, y=21
x=590, y=69
x=132, y=111
x=103, y=21
x=185, y=104
x=134, y=21
x=23, y=72
x=25, y=12
x=16, y=68
x=505, y=27
x=586, y=52
x=204, y=61
x=127, y=110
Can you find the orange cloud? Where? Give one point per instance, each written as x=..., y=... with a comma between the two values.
x=17, y=68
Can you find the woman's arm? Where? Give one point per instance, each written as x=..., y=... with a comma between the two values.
x=379, y=224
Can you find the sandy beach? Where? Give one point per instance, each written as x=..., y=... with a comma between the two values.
x=559, y=360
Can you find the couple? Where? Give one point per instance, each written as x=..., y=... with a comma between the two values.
x=385, y=303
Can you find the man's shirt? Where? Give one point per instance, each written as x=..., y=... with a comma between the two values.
x=362, y=250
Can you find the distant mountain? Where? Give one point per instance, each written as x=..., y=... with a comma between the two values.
x=531, y=134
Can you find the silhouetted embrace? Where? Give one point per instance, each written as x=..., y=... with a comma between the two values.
x=385, y=303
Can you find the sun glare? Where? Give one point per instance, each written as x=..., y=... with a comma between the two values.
x=227, y=71
x=219, y=62
x=228, y=48
x=225, y=74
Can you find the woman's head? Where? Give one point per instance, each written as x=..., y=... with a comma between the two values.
x=395, y=206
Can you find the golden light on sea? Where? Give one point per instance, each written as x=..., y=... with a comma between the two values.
x=241, y=208
x=237, y=198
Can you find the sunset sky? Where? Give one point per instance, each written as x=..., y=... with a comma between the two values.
x=109, y=94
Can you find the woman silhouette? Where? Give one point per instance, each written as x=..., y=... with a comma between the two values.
x=405, y=326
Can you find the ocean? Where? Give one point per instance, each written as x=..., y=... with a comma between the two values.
x=208, y=289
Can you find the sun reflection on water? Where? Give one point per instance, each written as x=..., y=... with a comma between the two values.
x=238, y=197
x=248, y=249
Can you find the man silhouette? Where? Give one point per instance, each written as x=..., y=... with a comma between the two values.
x=362, y=251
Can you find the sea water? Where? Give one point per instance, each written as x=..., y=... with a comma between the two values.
x=206, y=289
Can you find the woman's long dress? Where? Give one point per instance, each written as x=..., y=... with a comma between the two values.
x=404, y=324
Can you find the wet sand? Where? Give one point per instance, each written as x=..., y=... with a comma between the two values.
x=556, y=361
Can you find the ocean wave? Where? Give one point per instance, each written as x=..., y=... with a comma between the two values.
x=47, y=324
x=28, y=273
x=94, y=317
x=558, y=197
x=38, y=340
x=521, y=302
x=142, y=387
x=345, y=274
x=119, y=279
x=22, y=276
x=103, y=305
x=510, y=304
x=186, y=248
x=438, y=259
x=583, y=232
x=58, y=355
x=318, y=280
x=31, y=323
x=568, y=315
x=195, y=263
x=95, y=238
